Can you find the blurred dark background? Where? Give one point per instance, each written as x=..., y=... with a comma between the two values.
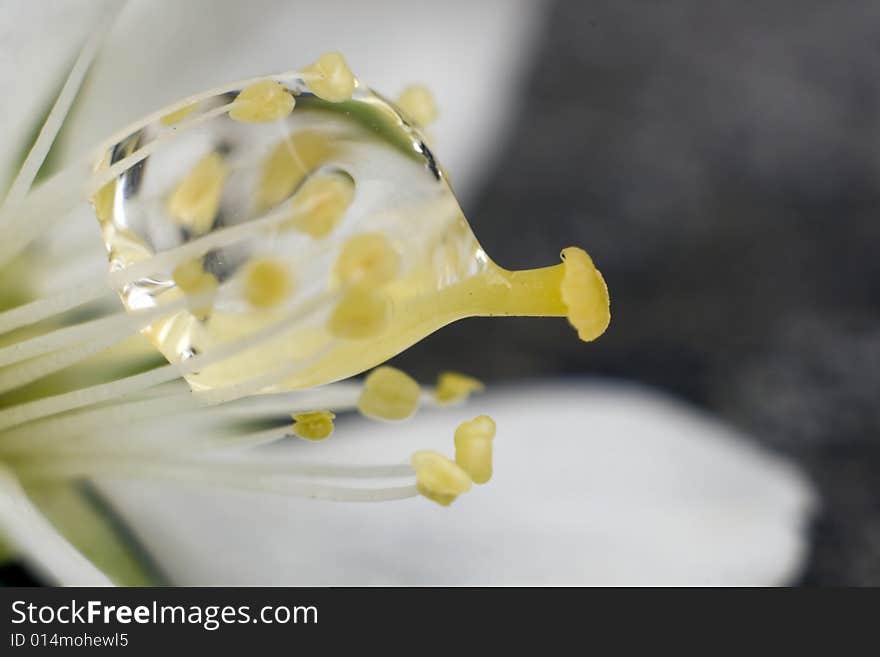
x=720, y=163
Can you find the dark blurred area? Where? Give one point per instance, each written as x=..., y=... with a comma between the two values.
x=720, y=163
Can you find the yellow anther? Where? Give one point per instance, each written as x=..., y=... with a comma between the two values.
x=418, y=104
x=585, y=294
x=438, y=478
x=368, y=260
x=330, y=78
x=194, y=281
x=454, y=387
x=320, y=204
x=178, y=115
x=361, y=313
x=288, y=164
x=314, y=425
x=262, y=102
x=266, y=283
x=194, y=202
x=389, y=394
x=473, y=447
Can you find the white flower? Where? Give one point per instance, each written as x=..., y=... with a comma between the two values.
x=88, y=400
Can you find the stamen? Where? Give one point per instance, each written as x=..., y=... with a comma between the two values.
x=63, y=429
x=418, y=104
x=91, y=290
x=288, y=164
x=389, y=394
x=196, y=199
x=40, y=149
x=321, y=203
x=106, y=391
x=438, y=478
x=175, y=117
x=473, y=447
x=53, y=200
x=368, y=260
x=119, y=326
x=262, y=102
x=362, y=313
x=267, y=283
x=199, y=286
x=453, y=387
x=314, y=425
x=330, y=78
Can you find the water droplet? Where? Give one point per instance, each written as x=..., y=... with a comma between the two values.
x=295, y=191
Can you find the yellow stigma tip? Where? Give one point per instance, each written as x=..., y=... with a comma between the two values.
x=361, y=313
x=453, y=387
x=585, y=294
x=389, y=394
x=321, y=203
x=418, y=104
x=473, y=447
x=262, y=102
x=266, y=283
x=195, y=281
x=330, y=78
x=313, y=425
x=368, y=260
x=438, y=478
x=195, y=201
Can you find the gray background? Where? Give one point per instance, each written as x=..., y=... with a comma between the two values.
x=720, y=162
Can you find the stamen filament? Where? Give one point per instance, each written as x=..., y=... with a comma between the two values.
x=234, y=475
x=33, y=220
x=119, y=325
x=106, y=391
x=40, y=149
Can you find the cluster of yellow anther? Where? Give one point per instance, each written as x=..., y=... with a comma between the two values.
x=198, y=285
x=267, y=283
x=262, y=102
x=442, y=480
x=329, y=78
x=453, y=387
x=438, y=478
x=313, y=425
x=389, y=394
x=194, y=202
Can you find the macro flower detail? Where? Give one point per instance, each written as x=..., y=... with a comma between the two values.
x=269, y=240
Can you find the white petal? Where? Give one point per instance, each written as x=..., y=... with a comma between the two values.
x=470, y=54
x=594, y=484
x=43, y=547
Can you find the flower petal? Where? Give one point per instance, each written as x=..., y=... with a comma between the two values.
x=38, y=541
x=593, y=484
x=387, y=44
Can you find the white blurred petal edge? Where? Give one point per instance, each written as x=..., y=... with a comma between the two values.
x=44, y=549
x=595, y=484
x=472, y=55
